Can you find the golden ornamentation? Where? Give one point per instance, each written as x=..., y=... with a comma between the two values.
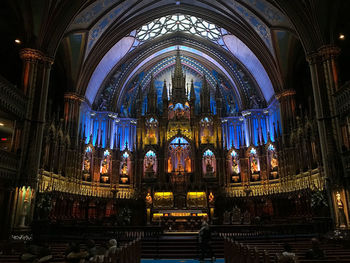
x=29, y=54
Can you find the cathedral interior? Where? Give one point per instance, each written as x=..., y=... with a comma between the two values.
x=158, y=115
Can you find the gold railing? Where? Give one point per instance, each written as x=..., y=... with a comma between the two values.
x=309, y=180
x=49, y=182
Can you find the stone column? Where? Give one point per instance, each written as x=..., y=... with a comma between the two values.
x=287, y=106
x=35, y=83
x=72, y=102
x=325, y=83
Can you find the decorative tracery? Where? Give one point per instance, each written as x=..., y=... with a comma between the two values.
x=179, y=23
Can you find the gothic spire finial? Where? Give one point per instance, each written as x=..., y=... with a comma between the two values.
x=274, y=131
x=178, y=66
x=165, y=91
x=115, y=141
x=192, y=93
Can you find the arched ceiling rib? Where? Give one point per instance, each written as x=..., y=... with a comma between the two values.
x=223, y=64
x=251, y=46
x=245, y=82
x=194, y=59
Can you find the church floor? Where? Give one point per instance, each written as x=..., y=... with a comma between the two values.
x=178, y=261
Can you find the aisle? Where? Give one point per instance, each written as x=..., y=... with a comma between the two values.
x=178, y=261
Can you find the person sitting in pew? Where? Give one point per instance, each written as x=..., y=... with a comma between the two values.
x=287, y=255
x=315, y=252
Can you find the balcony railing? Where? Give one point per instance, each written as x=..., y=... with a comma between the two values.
x=342, y=98
x=12, y=100
x=8, y=165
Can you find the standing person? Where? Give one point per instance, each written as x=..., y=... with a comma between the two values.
x=204, y=241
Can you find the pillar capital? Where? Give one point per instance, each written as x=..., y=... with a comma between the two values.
x=312, y=58
x=323, y=53
x=29, y=54
x=329, y=51
x=285, y=93
x=73, y=96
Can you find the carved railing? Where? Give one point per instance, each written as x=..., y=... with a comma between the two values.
x=342, y=98
x=54, y=182
x=8, y=165
x=12, y=100
x=311, y=179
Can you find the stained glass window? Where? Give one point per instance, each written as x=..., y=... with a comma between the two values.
x=179, y=23
x=179, y=106
x=106, y=153
x=179, y=140
x=233, y=154
x=150, y=154
x=125, y=155
x=208, y=153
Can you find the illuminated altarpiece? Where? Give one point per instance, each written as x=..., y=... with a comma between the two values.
x=180, y=147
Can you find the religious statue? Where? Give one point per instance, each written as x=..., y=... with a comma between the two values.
x=254, y=166
x=170, y=165
x=341, y=213
x=274, y=162
x=179, y=154
x=236, y=216
x=124, y=170
x=209, y=167
x=188, y=164
x=226, y=220
x=149, y=165
x=211, y=198
x=151, y=135
x=235, y=168
x=86, y=165
x=104, y=166
x=148, y=199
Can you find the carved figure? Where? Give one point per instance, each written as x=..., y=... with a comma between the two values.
x=149, y=165
x=148, y=199
x=104, y=166
x=274, y=162
x=211, y=198
x=86, y=165
x=235, y=168
x=254, y=166
x=341, y=213
x=124, y=170
x=209, y=167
